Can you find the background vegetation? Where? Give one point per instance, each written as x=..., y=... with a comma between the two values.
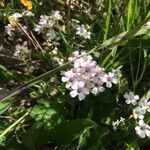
x=36, y=110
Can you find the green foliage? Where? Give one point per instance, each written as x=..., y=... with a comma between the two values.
x=4, y=106
x=36, y=110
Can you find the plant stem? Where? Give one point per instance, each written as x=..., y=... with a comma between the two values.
x=13, y=125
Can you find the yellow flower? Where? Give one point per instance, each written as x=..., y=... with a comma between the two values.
x=27, y=4
x=13, y=21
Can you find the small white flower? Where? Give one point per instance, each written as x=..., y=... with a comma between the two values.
x=114, y=124
x=142, y=129
x=69, y=77
x=144, y=103
x=9, y=29
x=117, y=73
x=72, y=3
x=148, y=107
x=45, y=23
x=79, y=90
x=58, y=60
x=109, y=79
x=122, y=120
x=21, y=51
x=56, y=15
x=82, y=31
x=118, y=122
x=138, y=112
x=97, y=83
x=114, y=127
x=16, y=15
x=131, y=98
x=27, y=13
x=51, y=35
x=148, y=25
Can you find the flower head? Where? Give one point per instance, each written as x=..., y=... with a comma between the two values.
x=148, y=25
x=27, y=4
x=131, y=98
x=144, y=103
x=142, y=129
x=56, y=15
x=45, y=23
x=82, y=31
x=85, y=76
x=109, y=79
x=138, y=112
x=79, y=90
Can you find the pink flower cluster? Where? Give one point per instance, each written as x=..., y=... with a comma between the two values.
x=86, y=76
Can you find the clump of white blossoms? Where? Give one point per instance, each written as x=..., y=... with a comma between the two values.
x=16, y=16
x=47, y=22
x=9, y=28
x=22, y=51
x=141, y=107
x=82, y=30
x=86, y=76
x=56, y=57
x=46, y=25
x=44, y=22
x=118, y=122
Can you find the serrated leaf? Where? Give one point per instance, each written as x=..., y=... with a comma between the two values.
x=48, y=110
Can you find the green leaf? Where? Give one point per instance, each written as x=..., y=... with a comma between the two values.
x=39, y=112
x=65, y=133
x=68, y=46
x=48, y=110
x=107, y=21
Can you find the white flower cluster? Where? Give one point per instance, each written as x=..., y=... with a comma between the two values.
x=142, y=106
x=72, y=3
x=56, y=57
x=47, y=22
x=100, y=4
x=24, y=13
x=9, y=28
x=86, y=76
x=21, y=51
x=82, y=31
x=118, y=122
